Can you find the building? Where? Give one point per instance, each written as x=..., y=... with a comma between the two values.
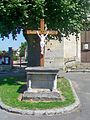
x=69, y=52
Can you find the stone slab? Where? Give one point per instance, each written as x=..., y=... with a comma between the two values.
x=41, y=69
x=41, y=95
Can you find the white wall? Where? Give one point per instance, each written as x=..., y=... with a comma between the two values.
x=72, y=48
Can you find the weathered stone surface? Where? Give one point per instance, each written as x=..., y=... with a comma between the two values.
x=54, y=53
x=41, y=78
x=41, y=96
x=41, y=84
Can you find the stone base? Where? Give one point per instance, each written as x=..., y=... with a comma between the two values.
x=41, y=95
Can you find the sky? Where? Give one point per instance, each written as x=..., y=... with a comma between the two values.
x=11, y=43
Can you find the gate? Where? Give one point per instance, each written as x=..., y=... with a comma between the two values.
x=85, y=46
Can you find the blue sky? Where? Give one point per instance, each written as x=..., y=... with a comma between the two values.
x=11, y=43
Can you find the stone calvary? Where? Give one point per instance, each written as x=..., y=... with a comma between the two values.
x=41, y=81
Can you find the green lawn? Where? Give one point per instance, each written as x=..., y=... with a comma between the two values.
x=10, y=89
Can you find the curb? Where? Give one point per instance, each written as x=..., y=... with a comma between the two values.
x=83, y=70
x=54, y=111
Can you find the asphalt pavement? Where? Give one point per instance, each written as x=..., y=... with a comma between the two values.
x=81, y=83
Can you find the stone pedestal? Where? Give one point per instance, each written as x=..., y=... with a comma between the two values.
x=41, y=83
x=41, y=78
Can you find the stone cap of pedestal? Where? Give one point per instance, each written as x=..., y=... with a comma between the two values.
x=42, y=70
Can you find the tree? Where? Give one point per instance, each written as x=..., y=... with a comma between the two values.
x=22, y=49
x=67, y=16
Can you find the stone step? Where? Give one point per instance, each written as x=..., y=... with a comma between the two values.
x=82, y=67
x=79, y=70
x=42, y=96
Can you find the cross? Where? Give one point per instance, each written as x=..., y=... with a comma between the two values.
x=42, y=31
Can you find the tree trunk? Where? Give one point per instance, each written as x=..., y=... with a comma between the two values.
x=33, y=50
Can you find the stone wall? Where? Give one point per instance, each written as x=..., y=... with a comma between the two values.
x=54, y=53
x=5, y=67
x=72, y=48
x=57, y=53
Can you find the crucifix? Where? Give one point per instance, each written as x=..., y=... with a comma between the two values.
x=42, y=33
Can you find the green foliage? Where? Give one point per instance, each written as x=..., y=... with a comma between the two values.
x=68, y=16
x=15, y=57
x=18, y=14
x=10, y=88
x=22, y=49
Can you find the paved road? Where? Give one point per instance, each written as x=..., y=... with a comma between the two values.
x=81, y=82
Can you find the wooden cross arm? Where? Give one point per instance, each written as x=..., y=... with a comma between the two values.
x=31, y=32
x=51, y=32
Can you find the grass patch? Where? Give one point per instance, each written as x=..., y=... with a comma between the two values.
x=10, y=89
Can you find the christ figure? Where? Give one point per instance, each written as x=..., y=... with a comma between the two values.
x=42, y=41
